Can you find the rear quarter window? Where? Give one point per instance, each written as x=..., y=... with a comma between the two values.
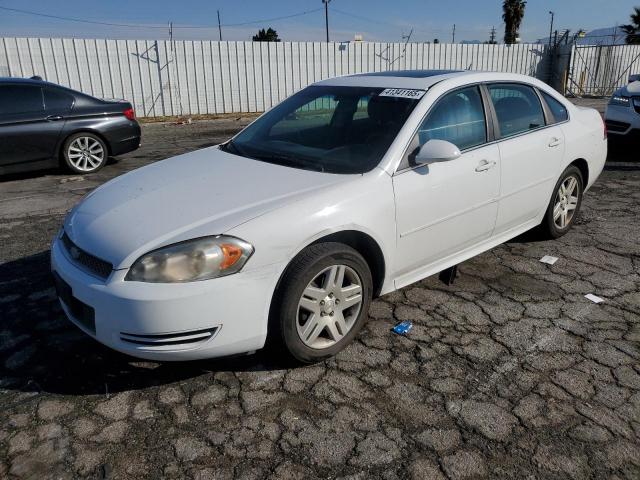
x=559, y=111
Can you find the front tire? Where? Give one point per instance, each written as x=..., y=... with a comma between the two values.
x=84, y=153
x=564, y=204
x=322, y=303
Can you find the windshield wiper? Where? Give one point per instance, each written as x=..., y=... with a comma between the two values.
x=287, y=160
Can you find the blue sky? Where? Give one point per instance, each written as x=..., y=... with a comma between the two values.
x=383, y=20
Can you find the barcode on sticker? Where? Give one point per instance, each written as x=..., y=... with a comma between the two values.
x=402, y=93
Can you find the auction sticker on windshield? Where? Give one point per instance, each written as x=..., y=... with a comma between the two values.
x=402, y=93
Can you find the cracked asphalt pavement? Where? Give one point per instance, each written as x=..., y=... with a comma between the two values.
x=509, y=373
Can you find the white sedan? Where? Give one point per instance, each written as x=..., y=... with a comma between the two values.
x=351, y=188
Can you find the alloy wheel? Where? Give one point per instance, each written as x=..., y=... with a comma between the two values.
x=329, y=306
x=566, y=202
x=86, y=154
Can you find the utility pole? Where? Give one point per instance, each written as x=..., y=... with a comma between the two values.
x=453, y=34
x=219, y=26
x=326, y=16
x=492, y=36
x=551, y=27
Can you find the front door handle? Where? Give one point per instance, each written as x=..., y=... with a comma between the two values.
x=554, y=142
x=485, y=165
x=54, y=117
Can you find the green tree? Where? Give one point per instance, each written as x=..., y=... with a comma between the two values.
x=269, y=35
x=512, y=14
x=633, y=29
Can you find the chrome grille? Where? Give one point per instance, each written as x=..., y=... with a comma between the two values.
x=85, y=260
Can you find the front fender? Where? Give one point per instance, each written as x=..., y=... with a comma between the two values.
x=365, y=204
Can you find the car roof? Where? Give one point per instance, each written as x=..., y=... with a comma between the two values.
x=20, y=80
x=409, y=73
x=425, y=79
x=420, y=79
x=31, y=81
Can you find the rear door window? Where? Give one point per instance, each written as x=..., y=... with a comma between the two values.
x=56, y=100
x=517, y=107
x=17, y=99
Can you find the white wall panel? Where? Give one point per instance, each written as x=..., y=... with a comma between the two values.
x=197, y=77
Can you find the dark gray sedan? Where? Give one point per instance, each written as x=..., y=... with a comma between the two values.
x=45, y=125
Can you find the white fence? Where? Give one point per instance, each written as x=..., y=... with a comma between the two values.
x=599, y=70
x=203, y=77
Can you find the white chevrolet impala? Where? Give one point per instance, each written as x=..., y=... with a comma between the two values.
x=351, y=188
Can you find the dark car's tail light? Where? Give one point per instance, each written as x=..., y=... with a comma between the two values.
x=130, y=113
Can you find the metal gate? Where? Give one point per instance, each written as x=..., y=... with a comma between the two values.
x=599, y=70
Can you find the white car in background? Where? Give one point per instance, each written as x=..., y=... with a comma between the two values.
x=622, y=115
x=351, y=188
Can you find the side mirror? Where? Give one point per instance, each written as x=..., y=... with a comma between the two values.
x=437, y=151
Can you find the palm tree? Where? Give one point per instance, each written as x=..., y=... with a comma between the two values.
x=513, y=12
x=633, y=30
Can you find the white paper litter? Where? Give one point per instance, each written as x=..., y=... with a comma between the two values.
x=594, y=298
x=549, y=259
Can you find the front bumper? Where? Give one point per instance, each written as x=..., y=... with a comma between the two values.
x=622, y=121
x=181, y=321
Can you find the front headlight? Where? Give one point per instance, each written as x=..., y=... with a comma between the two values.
x=620, y=100
x=199, y=259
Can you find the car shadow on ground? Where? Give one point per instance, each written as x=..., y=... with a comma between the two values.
x=41, y=351
x=53, y=171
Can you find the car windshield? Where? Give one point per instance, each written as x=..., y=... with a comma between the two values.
x=328, y=128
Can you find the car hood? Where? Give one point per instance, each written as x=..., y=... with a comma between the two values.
x=206, y=192
x=629, y=90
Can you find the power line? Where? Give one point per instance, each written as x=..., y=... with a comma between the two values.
x=70, y=19
x=130, y=25
x=266, y=20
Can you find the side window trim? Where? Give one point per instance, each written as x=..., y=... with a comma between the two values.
x=549, y=118
x=490, y=125
x=493, y=128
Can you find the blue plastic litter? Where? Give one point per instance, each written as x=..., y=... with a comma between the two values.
x=403, y=328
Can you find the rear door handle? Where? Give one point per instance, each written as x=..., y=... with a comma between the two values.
x=554, y=142
x=54, y=117
x=485, y=165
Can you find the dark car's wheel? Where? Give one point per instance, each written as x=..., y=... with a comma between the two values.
x=323, y=301
x=565, y=203
x=84, y=152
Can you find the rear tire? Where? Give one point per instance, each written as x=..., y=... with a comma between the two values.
x=84, y=152
x=322, y=302
x=564, y=204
